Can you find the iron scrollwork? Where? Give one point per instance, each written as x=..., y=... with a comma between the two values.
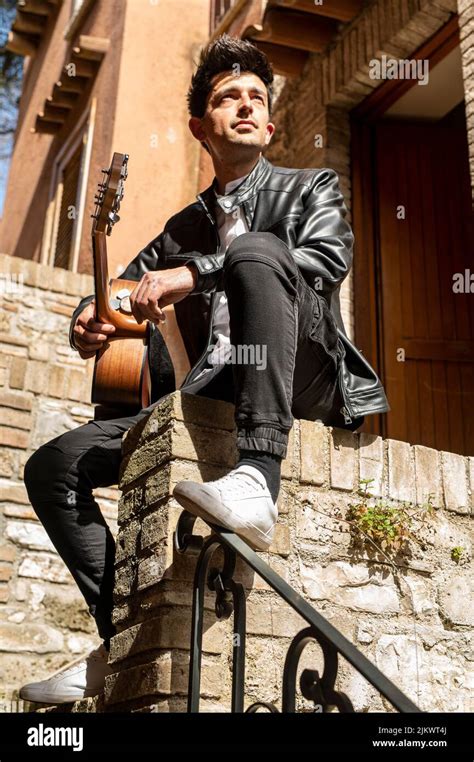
x=230, y=601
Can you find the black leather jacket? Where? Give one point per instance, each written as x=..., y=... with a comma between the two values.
x=305, y=209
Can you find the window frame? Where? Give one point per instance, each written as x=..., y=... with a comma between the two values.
x=84, y=133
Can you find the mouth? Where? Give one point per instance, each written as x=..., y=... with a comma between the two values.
x=245, y=124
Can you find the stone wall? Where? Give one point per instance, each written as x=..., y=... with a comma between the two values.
x=44, y=391
x=44, y=623
x=409, y=615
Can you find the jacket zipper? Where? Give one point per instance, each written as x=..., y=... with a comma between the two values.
x=346, y=408
x=213, y=297
x=345, y=413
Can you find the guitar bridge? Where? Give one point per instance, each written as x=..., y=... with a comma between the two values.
x=121, y=301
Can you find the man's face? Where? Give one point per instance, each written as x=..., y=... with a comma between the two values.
x=233, y=100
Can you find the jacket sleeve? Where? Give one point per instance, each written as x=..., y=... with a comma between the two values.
x=209, y=273
x=149, y=258
x=324, y=239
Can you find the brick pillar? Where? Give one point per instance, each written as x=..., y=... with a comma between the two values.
x=466, y=30
x=153, y=590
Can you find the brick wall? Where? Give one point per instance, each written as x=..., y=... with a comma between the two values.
x=466, y=34
x=44, y=391
x=411, y=608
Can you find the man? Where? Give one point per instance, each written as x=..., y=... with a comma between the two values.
x=256, y=262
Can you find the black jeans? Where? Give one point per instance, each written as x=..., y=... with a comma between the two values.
x=295, y=375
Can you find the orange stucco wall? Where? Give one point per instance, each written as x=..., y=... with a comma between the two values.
x=141, y=110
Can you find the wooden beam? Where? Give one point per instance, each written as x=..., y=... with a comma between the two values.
x=286, y=61
x=72, y=84
x=53, y=113
x=342, y=10
x=28, y=24
x=294, y=30
x=45, y=126
x=38, y=7
x=227, y=20
x=20, y=44
x=62, y=99
x=93, y=48
x=82, y=68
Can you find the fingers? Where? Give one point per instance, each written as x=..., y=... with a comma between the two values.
x=92, y=340
x=91, y=334
x=144, y=302
x=89, y=321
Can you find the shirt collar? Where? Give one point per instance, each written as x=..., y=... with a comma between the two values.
x=230, y=186
x=246, y=192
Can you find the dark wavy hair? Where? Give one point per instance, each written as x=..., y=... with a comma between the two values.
x=221, y=55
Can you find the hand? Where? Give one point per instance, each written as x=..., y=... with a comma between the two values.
x=90, y=335
x=158, y=288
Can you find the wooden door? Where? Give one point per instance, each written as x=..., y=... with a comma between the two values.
x=425, y=236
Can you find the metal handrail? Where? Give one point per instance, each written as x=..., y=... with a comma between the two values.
x=230, y=599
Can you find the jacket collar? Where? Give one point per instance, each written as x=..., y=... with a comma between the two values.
x=245, y=191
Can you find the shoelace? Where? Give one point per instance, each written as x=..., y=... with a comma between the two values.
x=235, y=481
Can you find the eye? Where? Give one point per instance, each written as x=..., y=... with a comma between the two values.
x=260, y=97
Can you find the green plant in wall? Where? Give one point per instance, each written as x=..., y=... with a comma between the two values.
x=388, y=527
x=457, y=553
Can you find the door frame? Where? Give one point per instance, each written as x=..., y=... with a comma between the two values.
x=366, y=271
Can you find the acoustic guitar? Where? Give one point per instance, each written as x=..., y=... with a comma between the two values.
x=122, y=369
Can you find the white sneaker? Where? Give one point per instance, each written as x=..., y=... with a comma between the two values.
x=239, y=501
x=81, y=679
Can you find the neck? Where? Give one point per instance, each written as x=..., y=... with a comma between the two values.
x=226, y=172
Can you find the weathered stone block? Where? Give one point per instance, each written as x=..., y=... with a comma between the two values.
x=455, y=482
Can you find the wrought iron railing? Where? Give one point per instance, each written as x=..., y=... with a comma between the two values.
x=230, y=599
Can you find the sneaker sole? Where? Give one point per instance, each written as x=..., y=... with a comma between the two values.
x=91, y=693
x=248, y=533
x=52, y=702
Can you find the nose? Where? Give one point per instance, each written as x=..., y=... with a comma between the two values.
x=245, y=102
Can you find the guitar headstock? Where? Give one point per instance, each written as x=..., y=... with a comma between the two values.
x=109, y=194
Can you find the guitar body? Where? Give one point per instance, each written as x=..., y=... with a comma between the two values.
x=121, y=369
x=122, y=374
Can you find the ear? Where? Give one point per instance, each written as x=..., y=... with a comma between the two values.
x=195, y=125
x=269, y=130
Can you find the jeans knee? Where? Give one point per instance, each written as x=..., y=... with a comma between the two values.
x=41, y=468
x=265, y=248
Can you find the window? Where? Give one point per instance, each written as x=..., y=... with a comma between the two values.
x=65, y=215
x=67, y=207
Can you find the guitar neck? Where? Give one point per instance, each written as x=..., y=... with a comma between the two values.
x=126, y=325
